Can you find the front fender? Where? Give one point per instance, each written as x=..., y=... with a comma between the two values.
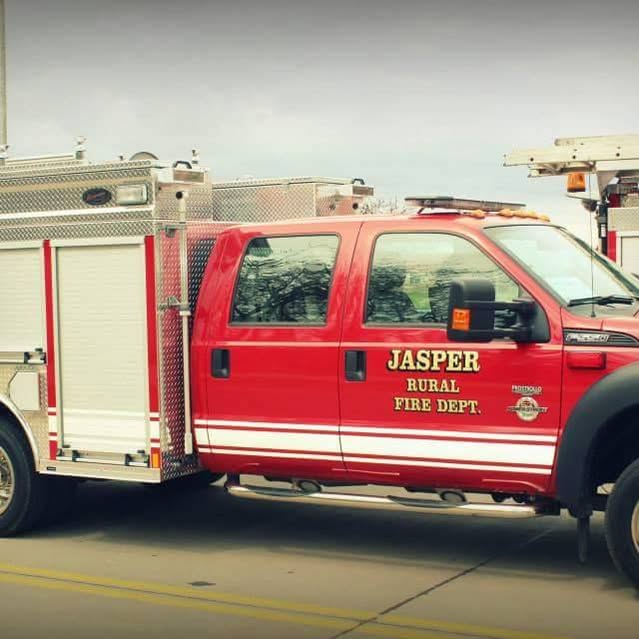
x=604, y=400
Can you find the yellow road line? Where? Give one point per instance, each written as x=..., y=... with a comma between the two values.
x=179, y=602
x=277, y=604
x=249, y=612
x=464, y=629
x=341, y=619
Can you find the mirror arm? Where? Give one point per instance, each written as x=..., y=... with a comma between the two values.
x=521, y=333
x=525, y=308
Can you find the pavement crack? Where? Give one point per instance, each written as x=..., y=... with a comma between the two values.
x=378, y=618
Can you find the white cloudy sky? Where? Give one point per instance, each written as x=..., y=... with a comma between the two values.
x=416, y=96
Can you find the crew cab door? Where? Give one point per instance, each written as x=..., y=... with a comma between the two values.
x=421, y=411
x=273, y=315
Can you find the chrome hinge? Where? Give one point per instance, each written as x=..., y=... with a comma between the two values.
x=171, y=229
x=174, y=302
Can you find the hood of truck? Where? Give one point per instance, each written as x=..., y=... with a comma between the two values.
x=628, y=325
x=603, y=322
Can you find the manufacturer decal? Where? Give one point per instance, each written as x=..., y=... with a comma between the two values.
x=527, y=409
x=97, y=197
x=527, y=390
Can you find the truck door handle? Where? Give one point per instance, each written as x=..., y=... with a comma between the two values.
x=220, y=362
x=355, y=366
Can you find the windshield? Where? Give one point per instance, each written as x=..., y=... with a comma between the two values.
x=564, y=265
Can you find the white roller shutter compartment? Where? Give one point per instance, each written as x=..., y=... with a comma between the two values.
x=101, y=323
x=21, y=300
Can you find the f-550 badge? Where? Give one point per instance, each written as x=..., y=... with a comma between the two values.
x=527, y=409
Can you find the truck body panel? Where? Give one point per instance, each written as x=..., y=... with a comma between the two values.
x=91, y=327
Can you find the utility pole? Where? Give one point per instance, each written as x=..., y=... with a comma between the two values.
x=3, y=81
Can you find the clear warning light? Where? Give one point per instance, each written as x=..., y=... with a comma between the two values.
x=130, y=195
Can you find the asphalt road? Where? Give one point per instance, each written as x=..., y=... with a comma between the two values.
x=138, y=562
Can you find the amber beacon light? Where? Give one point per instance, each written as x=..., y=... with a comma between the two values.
x=576, y=182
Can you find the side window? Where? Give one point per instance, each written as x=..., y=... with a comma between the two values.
x=285, y=280
x=411, y=274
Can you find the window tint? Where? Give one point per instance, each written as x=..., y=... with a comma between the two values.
x=411, y=275
x=285, y=280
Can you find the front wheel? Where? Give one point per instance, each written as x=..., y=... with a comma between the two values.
x=22, y=490
x=622, y=523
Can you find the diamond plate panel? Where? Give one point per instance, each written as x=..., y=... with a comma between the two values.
x=28, y=191
x=631, y=200
x=200, y=235
x=288, y=198
x=199, y=204
x=79, y=228
x=200, y=241
x=623, y=219
x=37, y=420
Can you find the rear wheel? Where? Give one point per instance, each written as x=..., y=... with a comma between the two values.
x=22, y=490
x=622, y=523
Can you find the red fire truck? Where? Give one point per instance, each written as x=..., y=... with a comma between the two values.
x=612, y=194
x=462, y=348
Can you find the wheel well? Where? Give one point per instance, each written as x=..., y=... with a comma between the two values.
x=615, y=448
x=10, y=418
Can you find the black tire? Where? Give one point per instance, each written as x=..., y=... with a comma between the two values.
x=197, y=481
x=25, y=505
x=202, y=479
x=623, y=503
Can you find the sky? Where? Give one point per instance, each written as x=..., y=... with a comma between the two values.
x=415, y=96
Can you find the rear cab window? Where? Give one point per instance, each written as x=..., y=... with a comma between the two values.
x=285, y=280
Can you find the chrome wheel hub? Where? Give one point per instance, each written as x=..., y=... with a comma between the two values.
x=634, y=526
x=7, y=483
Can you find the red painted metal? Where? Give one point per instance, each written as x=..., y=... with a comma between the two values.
x=152, y=348
x=588, y=359
x=502, y=365
x=151, y=322
x=614, y=201
x=50, y=348
x=279, y=374
x=612, y=245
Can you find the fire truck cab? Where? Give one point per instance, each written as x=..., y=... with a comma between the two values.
x=449, y=351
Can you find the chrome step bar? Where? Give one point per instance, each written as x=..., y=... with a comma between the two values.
x=508, y=511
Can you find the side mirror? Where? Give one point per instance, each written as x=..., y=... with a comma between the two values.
x=471, y=313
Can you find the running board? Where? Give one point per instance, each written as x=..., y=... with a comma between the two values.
x=508, y=511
